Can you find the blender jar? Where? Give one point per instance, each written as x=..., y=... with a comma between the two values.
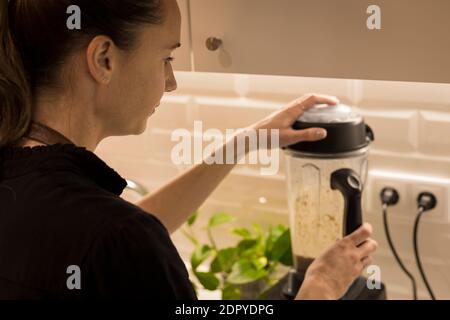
x=316, y=210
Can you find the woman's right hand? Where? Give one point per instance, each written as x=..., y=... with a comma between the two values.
x=332, y=274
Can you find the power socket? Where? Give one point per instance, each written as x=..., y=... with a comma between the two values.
x=441, y=191
x=409, y=186
x=377, y=182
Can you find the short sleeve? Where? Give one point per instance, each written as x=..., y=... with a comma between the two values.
x=135, y=258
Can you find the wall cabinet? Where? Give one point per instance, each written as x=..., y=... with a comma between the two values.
x=321, y=38
x=182, y=55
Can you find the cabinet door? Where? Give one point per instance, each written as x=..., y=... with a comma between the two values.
x=182, y=55
x=324, y=38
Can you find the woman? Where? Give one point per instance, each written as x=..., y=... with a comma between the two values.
x=63, y=91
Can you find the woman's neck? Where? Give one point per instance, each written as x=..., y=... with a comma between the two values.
x=74, y=121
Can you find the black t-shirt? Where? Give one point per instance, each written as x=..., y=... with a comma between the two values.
x=66, y=234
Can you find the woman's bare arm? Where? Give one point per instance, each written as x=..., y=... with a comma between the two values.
x=177, y=200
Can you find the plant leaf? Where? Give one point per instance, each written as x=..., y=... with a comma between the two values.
x=200, y=254
x=258, y=230
x=244, y=271
x=249, y=247
x=259, y=235
x=274, y=234
x=189, y=236
x=231, y=292
x=224, y=260
x=281, y=246
x=260, y=263
x=220, y=218
x=192, y=218
x=287, y=258
x=208, y=280
x=243, y=232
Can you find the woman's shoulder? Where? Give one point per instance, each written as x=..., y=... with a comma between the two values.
x=61, y=165
x=121, y=215
x=105, y=213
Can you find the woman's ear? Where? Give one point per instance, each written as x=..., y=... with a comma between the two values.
x=100, y=56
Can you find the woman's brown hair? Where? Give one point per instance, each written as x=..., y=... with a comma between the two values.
x=35, y=42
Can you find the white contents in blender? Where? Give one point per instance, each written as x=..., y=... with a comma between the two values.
x=319, y=219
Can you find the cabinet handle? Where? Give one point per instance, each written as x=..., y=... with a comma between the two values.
x=213, y=43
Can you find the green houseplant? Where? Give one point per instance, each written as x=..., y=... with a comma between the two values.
x=246, y=270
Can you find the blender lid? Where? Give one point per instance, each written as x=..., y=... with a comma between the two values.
x=324, y=113
x=347, y=131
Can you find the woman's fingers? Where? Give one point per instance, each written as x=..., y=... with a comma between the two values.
x=312, y=99
x=366, y=261
x=294, y=136
x=361, y=235
x=297, y=107
x=367, y=248
x=285, y=117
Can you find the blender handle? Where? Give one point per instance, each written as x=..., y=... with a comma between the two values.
x=349, y=184
x=352, y=214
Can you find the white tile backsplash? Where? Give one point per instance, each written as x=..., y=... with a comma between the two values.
x=248, y=188
x=434, y=136
x=394, y=130
x=422, y=95
x=232, y=113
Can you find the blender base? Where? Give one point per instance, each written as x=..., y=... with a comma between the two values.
x=287, y=289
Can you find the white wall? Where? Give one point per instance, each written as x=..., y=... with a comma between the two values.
x=412, y=127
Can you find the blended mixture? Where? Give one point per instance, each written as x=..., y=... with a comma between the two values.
x=316, y=211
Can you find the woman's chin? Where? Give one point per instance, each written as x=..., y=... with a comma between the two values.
x=139, y=127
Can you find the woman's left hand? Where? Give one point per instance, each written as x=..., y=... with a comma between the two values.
x=284, y=118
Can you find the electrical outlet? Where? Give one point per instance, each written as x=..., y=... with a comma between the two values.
x=441, y=190
x=409, y=186
x=378, y=180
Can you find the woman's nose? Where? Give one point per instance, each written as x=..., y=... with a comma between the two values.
x=171, y=82
x=171, y=85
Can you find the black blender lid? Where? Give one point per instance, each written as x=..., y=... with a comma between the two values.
x=346, y=129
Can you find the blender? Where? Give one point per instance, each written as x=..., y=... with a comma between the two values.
x=325, y=181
